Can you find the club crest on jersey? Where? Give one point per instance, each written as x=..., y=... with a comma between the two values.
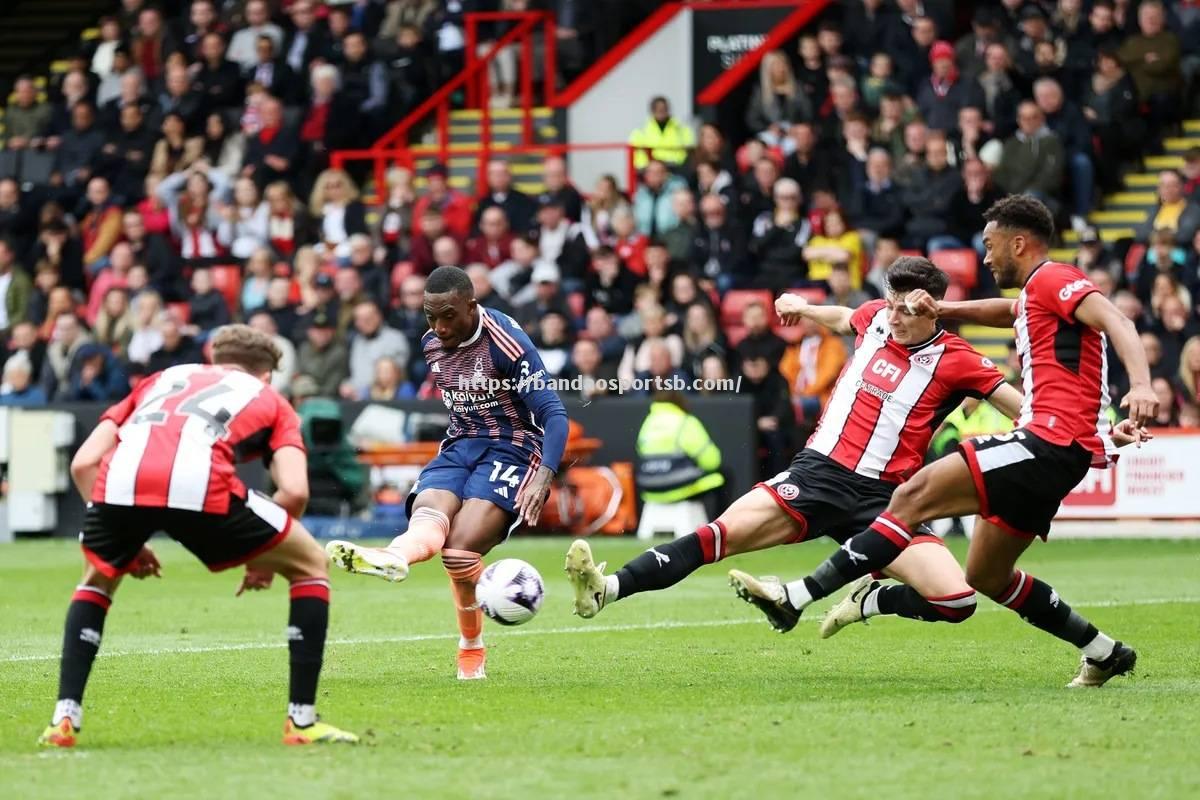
x=788, y=491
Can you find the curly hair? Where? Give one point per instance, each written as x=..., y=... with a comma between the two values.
x=243, y=346
x=1020, y=212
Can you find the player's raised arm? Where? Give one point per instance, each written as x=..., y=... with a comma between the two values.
x=1097, y=312
x=993, y=312
x=792, y=308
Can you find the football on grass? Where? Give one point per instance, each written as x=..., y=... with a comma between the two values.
x=510, y=591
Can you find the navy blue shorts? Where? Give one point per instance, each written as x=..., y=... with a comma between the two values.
x=483, y=469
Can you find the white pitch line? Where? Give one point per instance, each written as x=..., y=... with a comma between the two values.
x=578, y=629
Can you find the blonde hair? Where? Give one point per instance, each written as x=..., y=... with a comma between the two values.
x=243, y=346
x=316, y=201
x=764, y=76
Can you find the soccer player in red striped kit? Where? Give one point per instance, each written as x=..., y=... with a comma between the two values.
x=1016, y=481
x=163, y=459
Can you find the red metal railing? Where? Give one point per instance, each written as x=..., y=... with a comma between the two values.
x=382, y=159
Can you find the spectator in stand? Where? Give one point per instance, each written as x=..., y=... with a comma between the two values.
x=1168, y=403
x=18, y=388
x=660, y=372
x=152, y=43
x=74, y=89
x=811, y=367
x=114, y=323
x=447, y=252
x=396, y=217
x=100, y=227
x=712, y=179
x=207, y=307
x=272, y=153
x=974, y=195
x=718, y=249
x=258, y=273
x=176, y=348
x=243, y=227
x=455, y=208
x=1110, y=104
x=912, y=157
x=485, y=293
x=944, y=93
x=711, y=146
x=514, y=275
x=702, y=338
x=997, y=93
x=652, y=202
x=518, y=207
x=202, y=19
x=842, y=293
x=372, y=341
x=283, y=308
x=554, y=342
x=281, y=378
x=968, y=137
x=78, y=151
x=773, y=415
x=493, y=245
x=636, y=359
x=810, y=70
x=217, y=80
x=1069, y=124
x=662, y=137
x=1152, y=58
x=364, y=83
x=26, y=121
x=911, y=52
x=759, y=341
x=678, y=239
x=776, y=100
x=287, y=223
x=58, y=249
x=1191, y=174
x=376, y=281
x=15, y=289
x=408, y=70
x=843, y=101
x=151, y=250
x=115, y=274
x=927, y=199
x=545, y=296
x=588, y=369
x=389, y=383
x=175, y=151
x=179, y=97
x=243, y=47
x=1096, y=259
x=756, y=196
x=323, y=356
x=18, y=218
x=807, y=164
x=1033, y=160
x=558, y=187
x=597, y=214
x=45, y=281
x=68, y=335
x=331, y=121
x=879, y=82
x=336, y=210
x=193, y=199
x=600, y=328
x=778, y=239
x=408, y=317
x=432, y=227
x=131, y=92
x=609, y=283
x=561, y=242
x=307, y=40
x=629, y=244
x=836, y=245
x=1174, y=212
x=95, y=377
x=272, y=72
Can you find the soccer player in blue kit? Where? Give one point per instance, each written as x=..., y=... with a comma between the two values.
x=493, y=470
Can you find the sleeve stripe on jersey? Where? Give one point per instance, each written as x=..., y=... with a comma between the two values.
x=504, y=341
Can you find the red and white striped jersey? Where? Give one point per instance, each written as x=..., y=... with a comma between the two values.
x=1064, y=368
x=890, y=398
x=183, y=430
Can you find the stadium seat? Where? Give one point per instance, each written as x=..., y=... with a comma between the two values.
x=961, y=265
x=1133, y=258
x=913, y=253
x=735, y=303
x=813, y=294
x=227, y=280
x=956, y=293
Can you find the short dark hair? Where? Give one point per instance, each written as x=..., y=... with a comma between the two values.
x=909, y=273
x=1021, y=212
x=449, y=279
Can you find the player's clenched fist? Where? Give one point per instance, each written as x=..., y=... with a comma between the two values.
x=790, y=308
x=921, y=303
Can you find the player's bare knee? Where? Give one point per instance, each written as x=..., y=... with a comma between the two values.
x=908, y=500
x=988, y=582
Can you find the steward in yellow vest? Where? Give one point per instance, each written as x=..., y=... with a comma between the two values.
x=676, y=459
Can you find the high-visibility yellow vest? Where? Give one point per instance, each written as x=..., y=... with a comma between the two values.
x=668, y=144
x=677, y=459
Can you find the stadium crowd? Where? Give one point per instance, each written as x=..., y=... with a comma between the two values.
x=177, y=177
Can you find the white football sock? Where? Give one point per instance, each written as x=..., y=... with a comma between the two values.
x=302, y=715
x=612, y=588
x=870, y=603
x=797, y=595
x=68, y=708
x=1099, y=648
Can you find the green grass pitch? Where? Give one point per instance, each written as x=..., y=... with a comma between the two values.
x=684, y=693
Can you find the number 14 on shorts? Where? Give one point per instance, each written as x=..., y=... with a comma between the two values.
x=508, y=475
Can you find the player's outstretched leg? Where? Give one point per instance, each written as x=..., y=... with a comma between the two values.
x=81, y=641
x=753, y=522
x=941, y=489
x=299, y=559
x=464, y=568
x=933, y=589
x=991, y=569
x=426, y=534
